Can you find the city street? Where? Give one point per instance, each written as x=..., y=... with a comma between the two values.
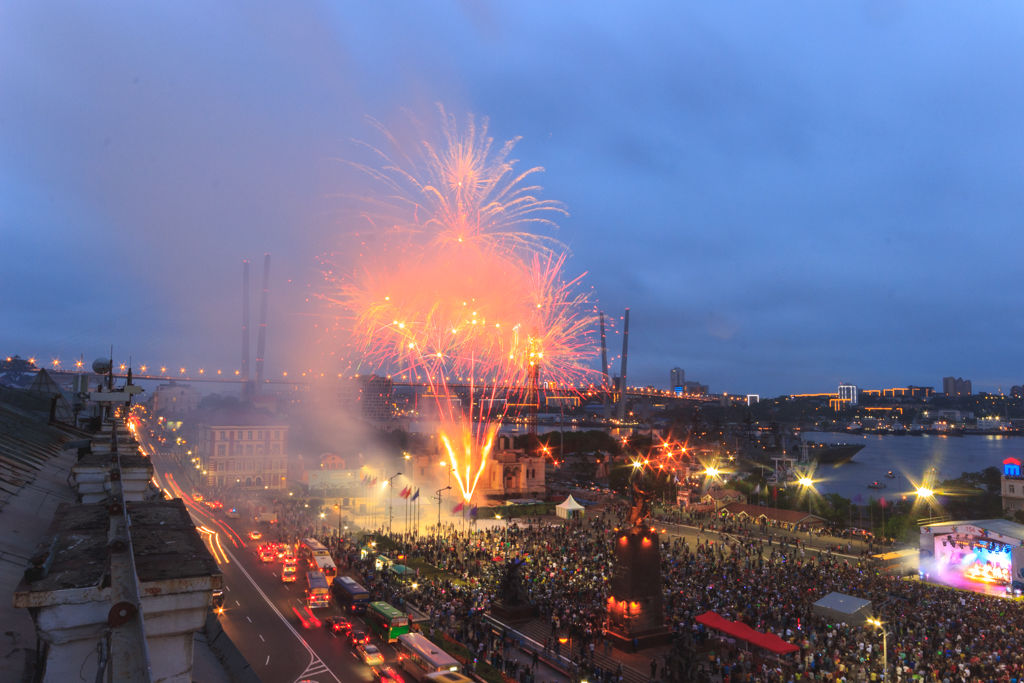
x=258, y=614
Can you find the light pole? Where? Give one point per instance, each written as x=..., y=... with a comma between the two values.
x=808, y=485
x=885, y=647
x=439, y=492
x=926, y=493
x=446, y=465
x=391, y=497
x=412, y=480
x=338, y=508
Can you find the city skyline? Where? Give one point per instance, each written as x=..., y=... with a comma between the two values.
x=834, y=199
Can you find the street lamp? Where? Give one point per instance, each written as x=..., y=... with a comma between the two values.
x=439, y=492
x=808, y=485
x=391, y=497
x=927, y=494
x=885, y=647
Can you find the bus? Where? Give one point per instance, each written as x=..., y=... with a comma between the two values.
x=386, y=621
x=447, y=677
x=318, y=557
x=317, y=594
x=349, y=595
x=422, y=658
x=325, y=564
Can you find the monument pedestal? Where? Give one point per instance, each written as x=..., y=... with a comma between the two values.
x=635, y=608
x=511, y=614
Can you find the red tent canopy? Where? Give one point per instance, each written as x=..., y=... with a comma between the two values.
x=768, y=641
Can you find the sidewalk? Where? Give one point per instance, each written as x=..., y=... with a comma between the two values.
x=636, y=666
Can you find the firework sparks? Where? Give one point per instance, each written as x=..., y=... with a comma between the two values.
x=459, y=288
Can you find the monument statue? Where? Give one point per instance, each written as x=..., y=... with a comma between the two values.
x=636, y=604
x=512, y=603
x=640, y=510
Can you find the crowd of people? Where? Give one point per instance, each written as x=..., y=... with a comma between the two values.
x=767, y=581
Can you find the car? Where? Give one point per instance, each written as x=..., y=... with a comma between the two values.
x=216, y=504
x=266, y=554
x=217, y=601
x=358, y=638
x=232, y=513
x=337, y=625
x=386, y=674
x=289, y=573
x=198, y=497
x=255, y=535
x=370, y=654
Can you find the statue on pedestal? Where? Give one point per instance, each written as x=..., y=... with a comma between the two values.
x=512, y=591
x=512, y=603
x=640, y=510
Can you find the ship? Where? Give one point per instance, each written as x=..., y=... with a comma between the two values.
x=827, y=453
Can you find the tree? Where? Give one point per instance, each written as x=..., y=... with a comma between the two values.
x=16, y=365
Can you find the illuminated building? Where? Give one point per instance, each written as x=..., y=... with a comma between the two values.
x=244, y=450
x=677, y=378
x=1012, y=485
x=175, y=399
x=722, y=497
x=512, y=472
x=848, y=393
x=908, y=392
x=956, y=386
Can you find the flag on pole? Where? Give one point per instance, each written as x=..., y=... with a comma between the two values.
x=415, y=495
x=881, y=501
x=472, y=511
x=458, y=508
x=405, y=492
x=857, y=499
x=757, y=489
x=375, y=481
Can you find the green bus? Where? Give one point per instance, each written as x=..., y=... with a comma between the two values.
x=386, y=621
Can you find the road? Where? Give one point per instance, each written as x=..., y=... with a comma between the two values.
x=258, y=614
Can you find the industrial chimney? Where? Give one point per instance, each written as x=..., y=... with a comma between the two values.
x=261, y=342
x=245, y=329
x=604, y=372
x=625, y=355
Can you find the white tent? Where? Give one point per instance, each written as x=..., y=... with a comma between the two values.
x=843, y=609
x=569, y=509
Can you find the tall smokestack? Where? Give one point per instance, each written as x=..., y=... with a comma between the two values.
x=261, y=342
x=604, y=371
x=625, y=355
x=245, y=323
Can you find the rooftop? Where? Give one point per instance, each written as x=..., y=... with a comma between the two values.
x=166, y=544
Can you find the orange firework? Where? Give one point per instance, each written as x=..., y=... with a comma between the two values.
x=459, y=290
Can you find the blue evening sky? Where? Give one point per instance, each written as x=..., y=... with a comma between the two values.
x=786, y=194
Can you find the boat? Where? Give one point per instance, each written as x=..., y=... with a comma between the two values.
x=876, y=485
x=827, y=453
x=890, y=475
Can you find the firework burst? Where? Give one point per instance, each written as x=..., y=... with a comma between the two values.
x=459, y=290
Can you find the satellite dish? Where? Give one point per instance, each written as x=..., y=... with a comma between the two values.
x=101, y=366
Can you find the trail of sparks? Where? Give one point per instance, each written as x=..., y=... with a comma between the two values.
x=456, y=287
